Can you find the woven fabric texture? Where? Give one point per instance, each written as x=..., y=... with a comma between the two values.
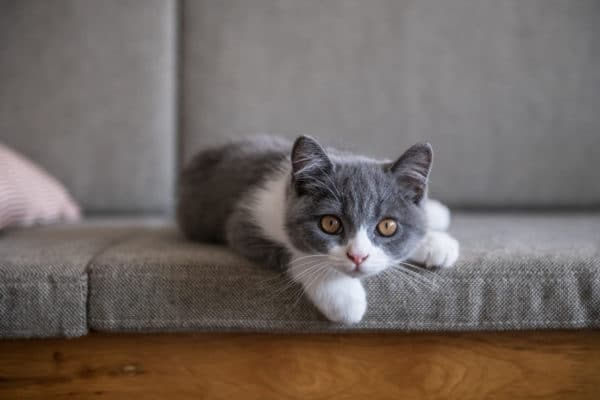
x=516, y=271
x=43, y=278
x=506, y=91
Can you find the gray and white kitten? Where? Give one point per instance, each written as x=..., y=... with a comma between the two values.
x=329, y=218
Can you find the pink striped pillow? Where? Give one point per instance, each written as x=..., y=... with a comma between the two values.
x=28, y=195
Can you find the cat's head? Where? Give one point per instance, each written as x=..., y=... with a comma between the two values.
x=360, y=215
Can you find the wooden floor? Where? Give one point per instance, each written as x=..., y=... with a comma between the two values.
x=552, y=365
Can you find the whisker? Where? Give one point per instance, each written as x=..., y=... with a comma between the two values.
x=416, y=278
x=423, y=274
x=319, y=274
x=402, y=278
x=308, y=256
x=417, y=275
x=306, y=271
x=417, y=286
x=418, y=269
x=408, y=264
x=310, y=279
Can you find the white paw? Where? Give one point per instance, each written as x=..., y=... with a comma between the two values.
x=340, y=299
x=438, y=249
x=438, y=215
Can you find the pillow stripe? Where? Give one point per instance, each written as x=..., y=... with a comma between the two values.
x=29, y=195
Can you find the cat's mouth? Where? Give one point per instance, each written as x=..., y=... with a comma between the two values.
x=358, y=272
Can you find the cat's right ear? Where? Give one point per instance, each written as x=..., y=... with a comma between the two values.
x=412, y=170
x=309, y=162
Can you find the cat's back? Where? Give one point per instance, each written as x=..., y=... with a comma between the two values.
x=216, y=178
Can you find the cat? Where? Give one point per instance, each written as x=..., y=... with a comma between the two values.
x=327, y=217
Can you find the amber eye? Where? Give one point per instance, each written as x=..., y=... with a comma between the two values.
x=387, y=227
x=331, y=224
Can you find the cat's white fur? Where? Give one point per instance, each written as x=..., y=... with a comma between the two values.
x=438, y=215
x=437, y=249
x=267, y=206
x=377, y=259
x=338, y=296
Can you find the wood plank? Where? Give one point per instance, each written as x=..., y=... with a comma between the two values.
x=550, y=365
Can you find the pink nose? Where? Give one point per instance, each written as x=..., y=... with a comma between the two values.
x=357, y=258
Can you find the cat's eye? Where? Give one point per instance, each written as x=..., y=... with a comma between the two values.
x=387, y=227
x=331, y=224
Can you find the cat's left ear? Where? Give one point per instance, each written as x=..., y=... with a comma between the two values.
x=412, y=170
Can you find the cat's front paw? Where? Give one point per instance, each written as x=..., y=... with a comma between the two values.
x=340, y=300
x=437, y=249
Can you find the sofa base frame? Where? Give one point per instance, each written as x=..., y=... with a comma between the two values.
x=514, y=365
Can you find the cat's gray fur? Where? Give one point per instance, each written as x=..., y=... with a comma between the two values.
x=215, y=204
x=215, y=181
x=360, y=189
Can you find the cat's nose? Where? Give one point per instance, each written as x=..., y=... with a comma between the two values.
x=357, y=258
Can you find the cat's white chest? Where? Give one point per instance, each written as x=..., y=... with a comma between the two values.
x=266, y=205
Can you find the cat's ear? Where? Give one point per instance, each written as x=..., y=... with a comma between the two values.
x=309, y=162
x=412, y=170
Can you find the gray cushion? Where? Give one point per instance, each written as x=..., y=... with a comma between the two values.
x=43, y=279
x=516, y=271
x=87, y=91
x=507, y=91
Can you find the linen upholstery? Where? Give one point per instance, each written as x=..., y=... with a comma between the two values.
x=506, y=91
x=88, y=91
x=43, y=284
x=516, y=271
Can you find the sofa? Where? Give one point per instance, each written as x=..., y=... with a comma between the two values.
x=113, y=97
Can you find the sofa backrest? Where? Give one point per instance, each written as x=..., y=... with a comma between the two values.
x=87, y=89
x=508, y=92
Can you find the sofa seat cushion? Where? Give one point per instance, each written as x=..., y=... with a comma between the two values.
x=43, y=275
x=516, y=271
